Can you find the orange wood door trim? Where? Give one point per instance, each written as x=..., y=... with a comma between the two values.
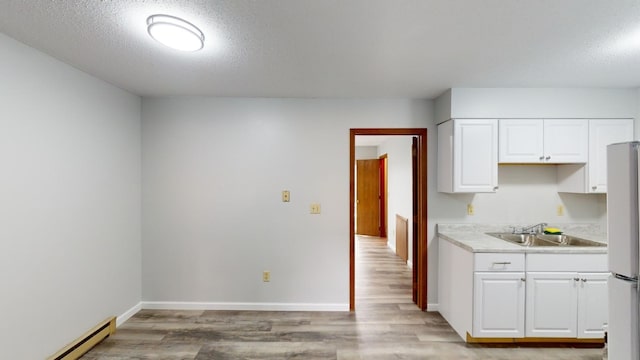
x=421, y=251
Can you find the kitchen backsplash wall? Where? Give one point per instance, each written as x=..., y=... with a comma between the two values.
x=526, y=194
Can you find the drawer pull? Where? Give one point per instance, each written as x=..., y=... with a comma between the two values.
x=523, y=279
x=502, y=263
x=576, y=279
x=583, y=280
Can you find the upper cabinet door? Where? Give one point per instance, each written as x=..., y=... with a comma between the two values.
x=566, y=141
x=475, y=155
x=603, y=132
x=521, y=141
x=468, y=156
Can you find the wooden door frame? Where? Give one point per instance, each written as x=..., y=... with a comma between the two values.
x=383, y=196
x=421, y=251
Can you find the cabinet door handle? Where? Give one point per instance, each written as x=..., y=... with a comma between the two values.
x=523, y=279
x=502, y=263
x=495, y=188
x=576, y=279
x=583, y=280
x=548, y=157
x=594, y=188
x=541, y=157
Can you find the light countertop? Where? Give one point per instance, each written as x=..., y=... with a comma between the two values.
x=473, y=237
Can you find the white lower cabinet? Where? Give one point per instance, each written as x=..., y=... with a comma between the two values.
x=592, y=304
x=498, y=307
x=518, y=295
x=566, y=304
x=552, y=308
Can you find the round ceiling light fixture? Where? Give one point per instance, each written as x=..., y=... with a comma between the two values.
x=175, y=33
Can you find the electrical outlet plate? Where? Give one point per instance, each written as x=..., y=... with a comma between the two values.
x=470, y=210
x=314, y=209
x=560, y=210
x=286, y=196
x=266, y=276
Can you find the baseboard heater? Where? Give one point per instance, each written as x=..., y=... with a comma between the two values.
x=85, y=342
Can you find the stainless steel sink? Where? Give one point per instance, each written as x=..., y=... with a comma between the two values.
x=545, y=240
x=524, y=239
x=568, y=240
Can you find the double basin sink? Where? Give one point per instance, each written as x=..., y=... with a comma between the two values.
x=545, y=240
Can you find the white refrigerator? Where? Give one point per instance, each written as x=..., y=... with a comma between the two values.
x=623, y=218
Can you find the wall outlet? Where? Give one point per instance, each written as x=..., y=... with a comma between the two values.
x=286, y=196
x=314, y=209
x=560, y=210
x=470, y=209
x=266, y=276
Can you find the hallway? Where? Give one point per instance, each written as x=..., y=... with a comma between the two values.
x=386, y=325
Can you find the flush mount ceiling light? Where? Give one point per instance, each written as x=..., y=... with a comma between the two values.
x=175, y=32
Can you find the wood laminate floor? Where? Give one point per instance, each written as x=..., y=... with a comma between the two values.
x=385, y=325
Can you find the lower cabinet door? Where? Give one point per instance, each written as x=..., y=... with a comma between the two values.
x=552, y=304
x=592, y=304
x=498, y=305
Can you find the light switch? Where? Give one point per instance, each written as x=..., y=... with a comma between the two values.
x=315, y=208
x=286, y=196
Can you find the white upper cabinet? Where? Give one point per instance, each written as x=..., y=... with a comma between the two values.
x=551, y=141
x=468, y=156
x=521, y=141
x=592, y=177
x=566, y=141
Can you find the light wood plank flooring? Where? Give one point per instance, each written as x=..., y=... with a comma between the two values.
x=386, y=325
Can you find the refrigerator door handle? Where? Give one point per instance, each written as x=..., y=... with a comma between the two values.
x=626, y=278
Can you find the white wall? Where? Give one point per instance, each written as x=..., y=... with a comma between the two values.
x=213, y=220
x=398, y=150
x=528, y=194
x=366, y=152
x=637, y=117
x=507, y=103
x=70, y=202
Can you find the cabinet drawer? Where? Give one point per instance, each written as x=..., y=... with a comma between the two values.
x=498, y=262
x=567, y=262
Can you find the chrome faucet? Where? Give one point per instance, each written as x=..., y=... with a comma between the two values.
x=533, y=229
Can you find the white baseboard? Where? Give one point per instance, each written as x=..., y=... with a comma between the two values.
x=182, y=305
x=433, y=307
x=127, y=314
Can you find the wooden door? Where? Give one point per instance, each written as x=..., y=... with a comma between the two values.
x=368, y=197
x=383, y=195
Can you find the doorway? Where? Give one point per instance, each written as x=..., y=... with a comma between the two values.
x=419, y=215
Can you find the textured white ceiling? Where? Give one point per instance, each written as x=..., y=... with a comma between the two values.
x=339, y=48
